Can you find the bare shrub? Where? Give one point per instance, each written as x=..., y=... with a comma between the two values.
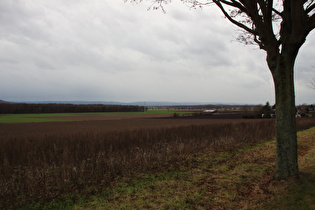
x=305, y=123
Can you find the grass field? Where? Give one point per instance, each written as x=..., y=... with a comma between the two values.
x=54, y=117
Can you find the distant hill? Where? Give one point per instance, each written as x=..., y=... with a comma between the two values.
x=3, y=102
x=136, y=103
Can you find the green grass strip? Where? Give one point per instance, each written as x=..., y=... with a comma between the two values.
x=29, y=118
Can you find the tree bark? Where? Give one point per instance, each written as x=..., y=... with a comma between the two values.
x=286, y=138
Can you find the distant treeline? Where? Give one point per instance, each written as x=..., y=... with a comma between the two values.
x=19, y=108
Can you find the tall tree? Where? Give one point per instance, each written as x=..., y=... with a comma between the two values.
x=280, y=28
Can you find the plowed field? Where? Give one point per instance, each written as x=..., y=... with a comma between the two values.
x=104, y=123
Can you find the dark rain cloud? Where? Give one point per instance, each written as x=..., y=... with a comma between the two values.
x=111, y=50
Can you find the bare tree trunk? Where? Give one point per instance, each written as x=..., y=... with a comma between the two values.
x=287, y=156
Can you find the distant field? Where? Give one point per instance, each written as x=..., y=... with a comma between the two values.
x=55, y=117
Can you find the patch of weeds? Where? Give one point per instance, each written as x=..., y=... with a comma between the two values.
x=293, y=195
x=143, y=191
x=64, y=202
x=298, y=193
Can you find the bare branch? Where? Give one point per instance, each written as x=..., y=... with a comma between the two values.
x=237, y=23
x=310, y=8
x=156, y=4
x=277, y=12
x=264, y=22
x=311, y=83
x=311, y=23
x=235, y=4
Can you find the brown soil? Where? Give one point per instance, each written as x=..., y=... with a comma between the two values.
x=103, y=123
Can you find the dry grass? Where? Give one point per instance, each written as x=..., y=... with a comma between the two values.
x=54, y=167
x=239, y=179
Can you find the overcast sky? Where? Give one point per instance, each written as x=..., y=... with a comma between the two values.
x=105, y=50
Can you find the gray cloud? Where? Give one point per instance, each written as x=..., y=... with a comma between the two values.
x=108, y=50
